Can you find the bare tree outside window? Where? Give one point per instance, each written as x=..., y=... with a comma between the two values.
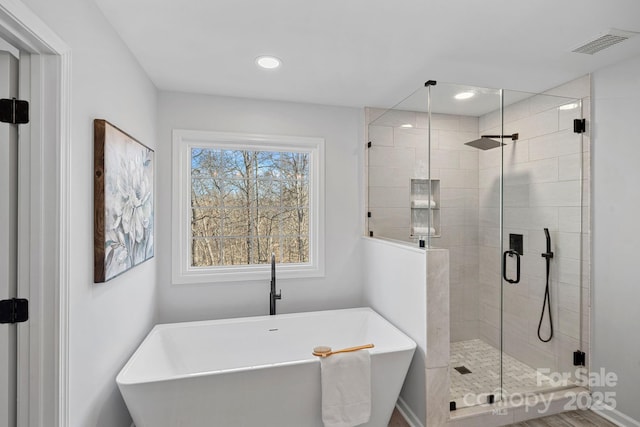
x=246, y=205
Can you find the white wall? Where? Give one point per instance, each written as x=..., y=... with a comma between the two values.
x=107, y=321
x=342, y=130
x=616, y=288
x=395, y=278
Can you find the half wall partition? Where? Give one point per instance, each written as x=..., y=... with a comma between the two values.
x=496, y=177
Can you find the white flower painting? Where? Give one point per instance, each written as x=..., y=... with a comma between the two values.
x=124, y=185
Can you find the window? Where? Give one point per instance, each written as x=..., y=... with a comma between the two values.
x=238, y=198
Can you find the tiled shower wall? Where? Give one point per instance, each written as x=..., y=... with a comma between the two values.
x=398, y=154
x=543, y=187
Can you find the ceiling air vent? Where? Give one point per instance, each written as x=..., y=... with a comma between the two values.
x=604, y=41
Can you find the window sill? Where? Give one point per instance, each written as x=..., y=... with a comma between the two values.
x=246, y=274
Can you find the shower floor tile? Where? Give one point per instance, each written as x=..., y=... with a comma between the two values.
x=483, y=361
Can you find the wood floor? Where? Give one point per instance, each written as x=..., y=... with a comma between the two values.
x=397, y=420
x=567, y=419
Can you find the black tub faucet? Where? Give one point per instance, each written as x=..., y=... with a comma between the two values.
x=273, y=296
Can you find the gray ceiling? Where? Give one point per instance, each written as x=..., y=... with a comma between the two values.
x=366, y=52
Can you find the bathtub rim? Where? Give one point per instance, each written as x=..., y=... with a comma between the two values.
x=122, y=380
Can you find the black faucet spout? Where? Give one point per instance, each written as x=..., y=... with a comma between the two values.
x=273, y=296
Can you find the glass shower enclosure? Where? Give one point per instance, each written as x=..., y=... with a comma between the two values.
x=496, y=177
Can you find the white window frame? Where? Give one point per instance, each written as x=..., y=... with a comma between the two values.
x=183, y=142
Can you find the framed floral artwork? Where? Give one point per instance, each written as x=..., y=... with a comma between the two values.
x=123, y=201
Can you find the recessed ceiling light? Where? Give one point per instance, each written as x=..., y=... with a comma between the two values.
x=568, y=106
x=406, y=125
x=464, y=95
x=268, y=62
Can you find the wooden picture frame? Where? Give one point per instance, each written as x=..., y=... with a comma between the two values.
x=123, y=201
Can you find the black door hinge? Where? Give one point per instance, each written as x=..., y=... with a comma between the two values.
x=579, y=125
x=14, y=310
x=369, y=144
x=579, y=358
x=14, y=111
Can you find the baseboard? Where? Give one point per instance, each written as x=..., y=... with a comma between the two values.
x=616, y=417
x=408, y=414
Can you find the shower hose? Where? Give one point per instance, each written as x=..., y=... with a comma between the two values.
x=547, y=304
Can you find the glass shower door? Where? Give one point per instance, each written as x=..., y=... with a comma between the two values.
x=541, y=241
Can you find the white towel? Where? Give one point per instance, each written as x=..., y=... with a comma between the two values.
x=346, y=389
x=423, y=231
x=423, y=203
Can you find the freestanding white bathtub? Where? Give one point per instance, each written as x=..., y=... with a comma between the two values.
x=256, y=371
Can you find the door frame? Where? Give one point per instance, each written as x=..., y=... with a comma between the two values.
x=44, y=261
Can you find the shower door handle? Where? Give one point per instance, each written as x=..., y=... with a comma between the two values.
x=504, y=266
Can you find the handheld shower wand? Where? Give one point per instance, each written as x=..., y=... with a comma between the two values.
x=548, y=254
x=547, y=298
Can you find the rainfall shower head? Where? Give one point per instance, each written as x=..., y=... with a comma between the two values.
x=487, y=142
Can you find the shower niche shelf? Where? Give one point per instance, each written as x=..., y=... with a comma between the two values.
x=425, y=208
